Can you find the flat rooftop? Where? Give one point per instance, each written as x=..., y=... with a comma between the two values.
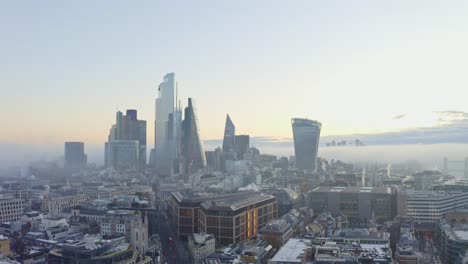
x=293, y=251
x=237, y=201
x=353, y=189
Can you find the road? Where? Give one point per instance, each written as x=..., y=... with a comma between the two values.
x=173, y=251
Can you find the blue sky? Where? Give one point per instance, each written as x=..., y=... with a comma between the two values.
x=66, y=67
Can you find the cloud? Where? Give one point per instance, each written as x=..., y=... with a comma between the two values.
x=399, y=117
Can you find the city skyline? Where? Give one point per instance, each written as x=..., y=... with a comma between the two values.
x=385, y=63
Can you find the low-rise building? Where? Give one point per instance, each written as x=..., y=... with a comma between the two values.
x=278, y=231
x=97, y=249
x=294, y=251
x=430, y=206
x=200, y=246
x=11, y=209
x=55, y=204
x=132, y=224
x=359, y=204
x=249, y=252
x=4, y=246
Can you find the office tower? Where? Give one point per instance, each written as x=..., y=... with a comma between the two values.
x=229, y=136
x=124, y=155
x=167, y=127
x=242, y=144
x=75, y=157
x=306, y=135
x=126, y=146
x=237, y=218
x=238, y=214
x=214, y=158
x=193, y=152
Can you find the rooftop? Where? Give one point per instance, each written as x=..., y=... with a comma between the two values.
x=237, y=201
x=353, y=189
x=293, y=251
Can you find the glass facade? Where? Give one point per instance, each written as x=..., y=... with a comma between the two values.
x=229, y=136
x=306, y=135
x=193, y=152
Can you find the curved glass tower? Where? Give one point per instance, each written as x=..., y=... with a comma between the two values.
x=306, y=135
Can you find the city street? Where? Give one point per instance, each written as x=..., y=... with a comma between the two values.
x=173, y=251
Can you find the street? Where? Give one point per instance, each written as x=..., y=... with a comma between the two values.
x=173, y=252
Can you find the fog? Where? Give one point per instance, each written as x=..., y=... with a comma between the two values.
x=430, y=155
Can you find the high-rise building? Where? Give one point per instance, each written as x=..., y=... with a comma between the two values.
x=229, y=136
x=306, y=135
x=123, y=155
x=126, y=146
x=193, y=152
x=167, y=127
x=242, y=144
x=75, y=157
x=214, y=158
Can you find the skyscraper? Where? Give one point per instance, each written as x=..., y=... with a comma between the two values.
x=306, y=135
x=75, y=157
x=242, y=144
x=193, y=152
x=125, y=137
x=167, y=126
x=214, y=159
x=229, y=136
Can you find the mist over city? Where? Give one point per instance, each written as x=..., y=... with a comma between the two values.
x=247, y=132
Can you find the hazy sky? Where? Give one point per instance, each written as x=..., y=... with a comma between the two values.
x=356, y=66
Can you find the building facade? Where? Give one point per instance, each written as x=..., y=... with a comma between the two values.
x=237, y=218
x=358, y=204
x=229, y=135
x=55, y=204
x=126, y=145
x=200, y=246
x=11, y=209
x=430, y=206
x=192, y=146
x=167, y=126
x=306, y=135
x=242, y=144
x=75, y=158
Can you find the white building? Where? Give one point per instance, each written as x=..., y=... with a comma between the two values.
x=122, y=221
x=429, y=206
x=11, y=209
x=201, y=245
x=55, y=205
x=294, y=251
x=50, y=222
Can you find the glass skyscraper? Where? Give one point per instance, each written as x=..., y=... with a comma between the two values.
x=193, y=152
x=167, y=127
x=229, y=136
x=306, y=135
x=126, y=136
x=75, y=157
